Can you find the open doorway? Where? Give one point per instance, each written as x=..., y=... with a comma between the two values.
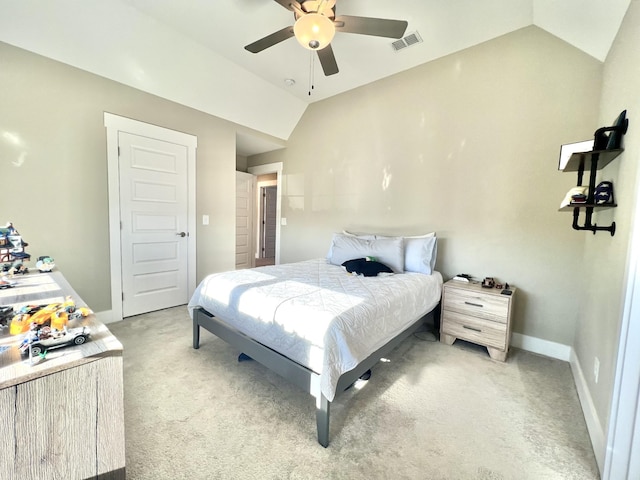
x=267, y=198
x=267, y=218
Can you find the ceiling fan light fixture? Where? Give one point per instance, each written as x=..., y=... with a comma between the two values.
x=314, y=31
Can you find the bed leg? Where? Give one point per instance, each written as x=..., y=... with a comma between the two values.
x=322, y=420
x=196, y=332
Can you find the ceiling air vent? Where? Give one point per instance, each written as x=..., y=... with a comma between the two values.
x=407, y=41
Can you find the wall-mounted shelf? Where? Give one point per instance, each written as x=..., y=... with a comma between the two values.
x=595, y=206
x=604, y=157
x=607, y=149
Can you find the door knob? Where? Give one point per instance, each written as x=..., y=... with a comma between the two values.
x=182, y=234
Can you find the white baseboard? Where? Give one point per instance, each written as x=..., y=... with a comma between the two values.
x=567, y=354
x=596, y=433
x=540, y=346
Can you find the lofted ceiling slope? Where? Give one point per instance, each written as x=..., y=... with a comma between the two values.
x=191, y=51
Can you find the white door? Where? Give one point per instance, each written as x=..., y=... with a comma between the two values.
x=245, y=186
x=269, y=197
x=154, y=229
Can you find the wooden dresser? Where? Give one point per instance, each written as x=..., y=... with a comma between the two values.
x=478, y=315
x=62, y=417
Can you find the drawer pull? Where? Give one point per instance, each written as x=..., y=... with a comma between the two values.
x=474, y=304
x=471, y=328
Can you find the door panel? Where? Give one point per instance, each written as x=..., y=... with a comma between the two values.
x=269, y=219
x=245, y=186
x=154, y=203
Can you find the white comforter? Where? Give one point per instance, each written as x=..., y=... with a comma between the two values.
x=317, y=314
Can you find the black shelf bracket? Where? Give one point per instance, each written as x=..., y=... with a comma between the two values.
x=588, y=225
x=595, y=156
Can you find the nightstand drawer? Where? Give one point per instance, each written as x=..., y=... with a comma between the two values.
x=474, y=329
x=483, y=305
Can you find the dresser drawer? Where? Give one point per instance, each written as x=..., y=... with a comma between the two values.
x=474, y=329
x=483, y=305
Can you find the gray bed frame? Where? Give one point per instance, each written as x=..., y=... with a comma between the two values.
x=292, y=371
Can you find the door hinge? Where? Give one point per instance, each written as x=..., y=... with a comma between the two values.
x=123, y=296
x=118, y=150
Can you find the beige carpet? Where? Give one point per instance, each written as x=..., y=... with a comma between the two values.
x=431, y=412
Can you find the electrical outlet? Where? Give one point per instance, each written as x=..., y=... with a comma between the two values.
x=596, y=369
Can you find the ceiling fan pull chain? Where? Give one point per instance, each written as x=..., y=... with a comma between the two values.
x=311, y=71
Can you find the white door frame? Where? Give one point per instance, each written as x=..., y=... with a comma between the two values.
x=276, y=168
x=623, y=437
x=115, y=124
x=260, y=214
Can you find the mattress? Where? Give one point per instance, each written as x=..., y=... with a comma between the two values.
x=317, y=314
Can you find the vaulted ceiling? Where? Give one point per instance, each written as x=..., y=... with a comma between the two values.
x=192, y=51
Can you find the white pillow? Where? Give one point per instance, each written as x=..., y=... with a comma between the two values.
x=430, y=234
x=349, y=234
x=426, y=235
x=420, y=254
x=387, y=251
x=364, y=236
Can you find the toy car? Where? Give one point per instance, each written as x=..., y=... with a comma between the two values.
x=47, y=339
x=6, y=283
x=62, y=316
x=38, y=314
x=45, y=264
x=55, y=315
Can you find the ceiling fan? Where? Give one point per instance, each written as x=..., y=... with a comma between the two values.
x=315, y=25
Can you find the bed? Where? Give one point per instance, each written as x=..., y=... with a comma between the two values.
x=312, y=322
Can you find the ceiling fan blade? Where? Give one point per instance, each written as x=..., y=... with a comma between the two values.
x=328, y=61
x=326, y=5
x=287, y=4
x=378, y=27
x=270, y=40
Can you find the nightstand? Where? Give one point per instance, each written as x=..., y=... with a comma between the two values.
x=478, y=315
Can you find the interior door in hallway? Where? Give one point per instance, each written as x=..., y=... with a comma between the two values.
x=269, y=197
x=245, y=186
x=154, y=228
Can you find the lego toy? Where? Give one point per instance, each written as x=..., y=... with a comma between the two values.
x=55, y=315
x=6, y=283
x=40, y=341
x=45, y=264
x=12, y=247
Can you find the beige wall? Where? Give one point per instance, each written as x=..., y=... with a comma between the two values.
x=241, y=163
x=54, y=170
x=605, y=258
x=467, y=146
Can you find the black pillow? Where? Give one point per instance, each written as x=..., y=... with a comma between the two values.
x=368, y=268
